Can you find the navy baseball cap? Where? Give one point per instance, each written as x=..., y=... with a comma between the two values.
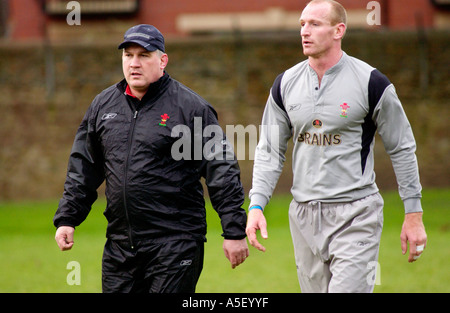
x=147, y=36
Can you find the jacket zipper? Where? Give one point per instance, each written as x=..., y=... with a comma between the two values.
x=125, y=183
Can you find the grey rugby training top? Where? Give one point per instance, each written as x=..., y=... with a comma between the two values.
x=333, y=127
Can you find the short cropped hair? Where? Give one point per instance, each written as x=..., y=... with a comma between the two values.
x=338, y=12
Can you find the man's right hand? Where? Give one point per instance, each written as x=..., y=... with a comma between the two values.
x=255, y=221
x=64, y=237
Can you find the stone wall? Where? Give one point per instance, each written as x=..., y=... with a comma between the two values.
x=45, y=92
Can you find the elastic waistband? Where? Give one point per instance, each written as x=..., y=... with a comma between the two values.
x=328, y=204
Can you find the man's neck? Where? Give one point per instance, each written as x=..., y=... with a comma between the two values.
x=323, y=63
x=131, y=93
x=138, y=94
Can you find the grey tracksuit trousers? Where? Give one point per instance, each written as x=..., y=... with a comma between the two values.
x=336, y=244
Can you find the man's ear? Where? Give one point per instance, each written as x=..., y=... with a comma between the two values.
x=340, y=31
x=164, y=61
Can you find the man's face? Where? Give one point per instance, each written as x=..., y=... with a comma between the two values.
x=316, y=30
x=141, y=67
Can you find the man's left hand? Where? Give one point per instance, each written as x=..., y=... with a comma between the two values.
x=236, y=251
x=413, y=231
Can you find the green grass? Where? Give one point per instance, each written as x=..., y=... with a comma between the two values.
x=30, y=260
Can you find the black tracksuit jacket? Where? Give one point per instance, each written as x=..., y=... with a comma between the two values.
x=149, y=194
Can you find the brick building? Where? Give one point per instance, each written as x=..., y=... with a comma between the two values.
x=34, y=20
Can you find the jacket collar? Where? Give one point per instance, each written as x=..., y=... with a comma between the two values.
x=153, y=90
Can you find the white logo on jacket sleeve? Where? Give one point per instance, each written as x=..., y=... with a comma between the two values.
x=108, y=116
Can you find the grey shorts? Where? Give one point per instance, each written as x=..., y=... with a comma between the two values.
x=336, y=244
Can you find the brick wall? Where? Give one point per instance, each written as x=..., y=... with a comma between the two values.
x=404, y=14
x=28, y=20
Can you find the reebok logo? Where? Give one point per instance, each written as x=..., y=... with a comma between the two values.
x=185, y=262
x=108, y=116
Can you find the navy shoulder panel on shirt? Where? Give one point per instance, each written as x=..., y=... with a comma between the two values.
x=378, y=83
x=276, y=91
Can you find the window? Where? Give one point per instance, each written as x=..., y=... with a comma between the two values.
x=4, y=13
x=442, y=3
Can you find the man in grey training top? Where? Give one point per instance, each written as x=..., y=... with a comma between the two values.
x=332, y=105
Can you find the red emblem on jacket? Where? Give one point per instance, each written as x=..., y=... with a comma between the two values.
x=164, y=119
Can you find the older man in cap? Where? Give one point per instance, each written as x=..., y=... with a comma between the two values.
x=155, y=204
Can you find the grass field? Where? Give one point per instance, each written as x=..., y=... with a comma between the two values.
x=30, y=260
